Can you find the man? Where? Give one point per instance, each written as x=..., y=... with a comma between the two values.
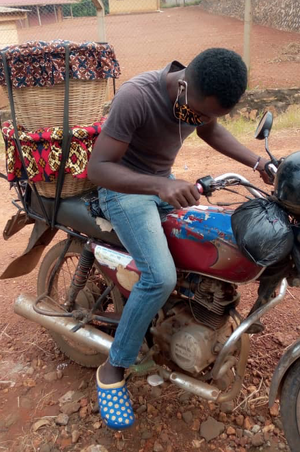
x=150, y=116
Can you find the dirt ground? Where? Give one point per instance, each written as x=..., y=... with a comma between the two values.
x=34, y=374
x=149, y=41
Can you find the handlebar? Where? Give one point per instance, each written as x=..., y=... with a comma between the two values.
x=207, y=185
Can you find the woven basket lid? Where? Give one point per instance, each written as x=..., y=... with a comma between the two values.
x=39, y=63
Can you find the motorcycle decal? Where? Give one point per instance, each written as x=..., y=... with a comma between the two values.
x=127, y=278
x=111, y=258
x=122, y=265
x=204, y=226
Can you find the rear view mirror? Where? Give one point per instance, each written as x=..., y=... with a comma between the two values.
x=264, y=127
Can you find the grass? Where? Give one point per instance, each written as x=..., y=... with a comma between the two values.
x=242, y=127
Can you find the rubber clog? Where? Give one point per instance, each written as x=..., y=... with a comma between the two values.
x=114, y=404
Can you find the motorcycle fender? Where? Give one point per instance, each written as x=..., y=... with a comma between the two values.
x=290, y=356
x=15, y=224
x=41, y=236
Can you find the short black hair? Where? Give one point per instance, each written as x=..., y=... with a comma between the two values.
x=220, y=73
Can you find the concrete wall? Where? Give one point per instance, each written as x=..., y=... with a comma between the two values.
x=133, y=6
x=280, y=14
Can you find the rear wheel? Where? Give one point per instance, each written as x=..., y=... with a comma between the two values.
x=95, y=286
x=290, y=406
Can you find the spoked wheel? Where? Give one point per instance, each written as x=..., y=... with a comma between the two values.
x=290, y=406
x=95, y=286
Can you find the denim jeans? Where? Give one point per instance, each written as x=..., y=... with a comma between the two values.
x=137, y=221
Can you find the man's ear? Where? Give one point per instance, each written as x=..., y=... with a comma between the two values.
x=182, y=85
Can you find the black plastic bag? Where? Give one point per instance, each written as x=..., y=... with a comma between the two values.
x=262, y=231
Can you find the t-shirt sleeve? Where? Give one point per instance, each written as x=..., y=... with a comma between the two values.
x=126, y=113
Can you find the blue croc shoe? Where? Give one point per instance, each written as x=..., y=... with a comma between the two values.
x=114, y=404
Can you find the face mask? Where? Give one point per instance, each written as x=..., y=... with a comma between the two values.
x=183, y=112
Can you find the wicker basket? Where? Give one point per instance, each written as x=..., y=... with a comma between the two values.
x=72, y=187
x=37, y=107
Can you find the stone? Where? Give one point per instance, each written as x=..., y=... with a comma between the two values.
x=239, y=432
x=231, y=431
x=185, y=397
x=158, y=447
x=256, y=428
x=71, y=396
x=62, y=419
x=75, y=436
x=151, y=409
x=196, y=443
x=97, y=425
x=248, y=433
x=11, y=419
x=70, y=408
x=51, y=376
x=146, y=434
x=45, y=448
x=141, y=409
x=187, y=417
x=281, y=446
x=274, y=410
x=227, y=407
x=222, y=417
x=211, y=428
x=83, y=412
x=156, y=392
x=257, y=439
x=248, y=423
x=95, y=448
x=268, y=428
x=278, y=424
x=196, y=425
x=164, y=438
x=239, y=420
x=26, y=403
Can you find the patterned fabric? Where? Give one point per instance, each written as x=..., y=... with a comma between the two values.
x=42, y=151
x=39, y=63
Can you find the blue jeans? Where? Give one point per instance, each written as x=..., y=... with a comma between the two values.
x=137, y=221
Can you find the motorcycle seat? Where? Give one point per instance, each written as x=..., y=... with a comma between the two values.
x=78, y=213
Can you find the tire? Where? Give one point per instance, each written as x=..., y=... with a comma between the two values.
x=290, y=406
x=96, y=284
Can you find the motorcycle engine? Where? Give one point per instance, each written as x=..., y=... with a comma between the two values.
x=193, y=331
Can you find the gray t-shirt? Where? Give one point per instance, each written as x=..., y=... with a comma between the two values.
x=141, y=115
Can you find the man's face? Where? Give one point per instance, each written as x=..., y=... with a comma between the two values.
x=207, y=108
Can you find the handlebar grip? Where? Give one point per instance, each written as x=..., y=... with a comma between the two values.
x=199, y=188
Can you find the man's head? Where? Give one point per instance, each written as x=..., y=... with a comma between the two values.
x=217, y=73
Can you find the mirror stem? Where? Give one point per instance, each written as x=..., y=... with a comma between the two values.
x=273, y=159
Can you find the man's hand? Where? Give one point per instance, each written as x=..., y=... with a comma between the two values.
x=179, y=193
x=263, y=174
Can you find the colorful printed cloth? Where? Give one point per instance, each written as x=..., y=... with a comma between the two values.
x=42, y=151
x=39, y=63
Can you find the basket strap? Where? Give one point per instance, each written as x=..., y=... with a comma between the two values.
x=12, y=108
x=67, y=134
x=16, y=137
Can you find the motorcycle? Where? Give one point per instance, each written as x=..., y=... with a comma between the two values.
x=198, y=340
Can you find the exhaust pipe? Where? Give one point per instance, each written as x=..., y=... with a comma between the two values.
x=87, y=336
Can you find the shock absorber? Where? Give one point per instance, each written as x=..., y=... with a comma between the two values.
x=80, y=276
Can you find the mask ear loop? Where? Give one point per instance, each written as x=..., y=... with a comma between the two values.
x=182, y=87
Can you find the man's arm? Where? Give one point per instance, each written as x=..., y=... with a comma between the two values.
x=222, y=141
x=105, y=170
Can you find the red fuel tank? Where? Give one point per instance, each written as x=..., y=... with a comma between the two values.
x=201, y=240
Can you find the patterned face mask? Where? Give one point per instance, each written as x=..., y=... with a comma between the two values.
x=184, y=112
